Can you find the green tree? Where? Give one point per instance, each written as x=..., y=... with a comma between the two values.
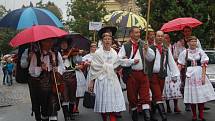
x=81, y=12
x=5, y=36
x=163, y=11
x=51, y=7
x=3, y=11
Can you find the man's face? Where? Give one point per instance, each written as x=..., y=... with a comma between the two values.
x=151, y=35
x=107, y=41
x=159, y=37
x=135, y=34
x=187, y=32
x=64, y=45
x=47, y=44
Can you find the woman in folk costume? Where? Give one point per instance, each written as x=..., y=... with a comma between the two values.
x=42, y=64
x=88, y=58
x=103, y=78
x=81, y=80
x=172, y=88
x=198, y=89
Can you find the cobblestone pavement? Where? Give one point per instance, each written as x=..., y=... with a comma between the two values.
x=15, y=94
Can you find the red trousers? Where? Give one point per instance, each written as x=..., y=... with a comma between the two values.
x=157, y=86
x=138, y=85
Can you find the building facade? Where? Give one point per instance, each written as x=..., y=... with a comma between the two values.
x=126, y=5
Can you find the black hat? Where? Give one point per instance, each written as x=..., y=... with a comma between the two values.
x=109, y=29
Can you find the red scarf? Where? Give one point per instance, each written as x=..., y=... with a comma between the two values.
x=135, y=46
x=159, y=47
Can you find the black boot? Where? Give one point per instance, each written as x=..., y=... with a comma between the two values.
x=161, y=111
x=187, y=107
x=38, y=116
x=146, y=114
x=66, y=113
x=134, y=115
x=152, y=113
x=71, y=113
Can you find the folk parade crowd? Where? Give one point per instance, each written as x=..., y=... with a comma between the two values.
x=154, y=72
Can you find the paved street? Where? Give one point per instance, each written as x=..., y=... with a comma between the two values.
x=15, y=106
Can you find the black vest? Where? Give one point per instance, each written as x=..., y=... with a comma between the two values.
x=128, y=48
x=163, y=70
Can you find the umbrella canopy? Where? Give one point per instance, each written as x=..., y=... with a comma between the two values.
x=179, y=24
x=76, y=40
x=36, y=33
x=126, y=19
x=27, y=17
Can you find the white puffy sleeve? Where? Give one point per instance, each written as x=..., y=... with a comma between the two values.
x=204, y=57
x=124, y=61
x=182, y=57
x=34, y=70
x=150, y=55
x=172, y=64
x=61, y=67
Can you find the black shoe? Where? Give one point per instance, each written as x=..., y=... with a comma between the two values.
x=134, y=115
x=161, y=111
x=206, y=108
x=118, y=115
x=202, y=119
x=194, y=119
x=45, y=119
x=146, y=114
x=187, y=108
x=66, y=112
x=169, y=110
x=152, y=116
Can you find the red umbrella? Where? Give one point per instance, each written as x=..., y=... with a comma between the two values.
x=179, y=23
x=36, y=33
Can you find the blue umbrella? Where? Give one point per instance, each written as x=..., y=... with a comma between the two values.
x=27, y=17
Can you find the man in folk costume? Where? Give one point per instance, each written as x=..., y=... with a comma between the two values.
x=41, y=69
x=70, y=86
x=135, y=75
x=158, y=71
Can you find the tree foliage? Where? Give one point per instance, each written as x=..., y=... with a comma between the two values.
x=81, y=12
x=3, y=11
x=49, y=6
x=163, y=11
x=5, y=36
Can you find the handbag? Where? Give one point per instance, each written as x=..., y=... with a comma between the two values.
x=89, y=100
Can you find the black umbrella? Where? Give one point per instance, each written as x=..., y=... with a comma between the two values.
x=76, y=40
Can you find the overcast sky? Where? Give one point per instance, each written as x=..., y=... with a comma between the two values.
x=14, y=4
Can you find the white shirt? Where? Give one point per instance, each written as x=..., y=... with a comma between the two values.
x=35, y=70
x=171, y=63
x=139, y=66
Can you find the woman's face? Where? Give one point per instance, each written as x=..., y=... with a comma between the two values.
x=107, y=42
x=193, y=44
